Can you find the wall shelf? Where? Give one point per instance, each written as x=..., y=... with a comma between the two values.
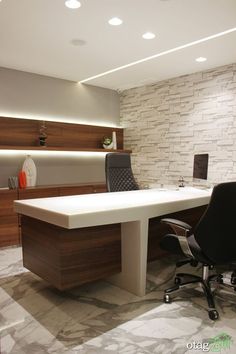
x=23, y=134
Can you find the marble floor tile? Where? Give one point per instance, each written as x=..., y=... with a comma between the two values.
x=101, y=318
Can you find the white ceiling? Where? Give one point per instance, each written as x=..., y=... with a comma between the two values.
x=36, y=35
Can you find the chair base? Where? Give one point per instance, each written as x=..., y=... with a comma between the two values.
x=184, y=279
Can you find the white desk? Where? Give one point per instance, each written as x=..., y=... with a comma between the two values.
x=132, y=209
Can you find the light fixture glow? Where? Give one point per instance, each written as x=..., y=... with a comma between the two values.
x=202, y=40
x=115, y=21
x=148, y=35
x=52, y=153
x=72, y=4
x=6, y=114
x=201, y=59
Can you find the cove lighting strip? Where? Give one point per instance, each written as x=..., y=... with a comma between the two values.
x=176, y=49
x=52, y=153
x=82, y=121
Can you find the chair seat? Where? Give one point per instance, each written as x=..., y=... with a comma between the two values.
x=170, y=243
x=197, y=252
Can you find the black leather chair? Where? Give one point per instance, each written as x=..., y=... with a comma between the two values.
x=212, y=243
x=119, y=175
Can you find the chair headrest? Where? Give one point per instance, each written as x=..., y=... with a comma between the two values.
x=118, y=160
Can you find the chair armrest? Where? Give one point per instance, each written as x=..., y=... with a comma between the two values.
x=180, y=228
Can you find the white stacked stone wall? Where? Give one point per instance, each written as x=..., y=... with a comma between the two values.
x=168, y=122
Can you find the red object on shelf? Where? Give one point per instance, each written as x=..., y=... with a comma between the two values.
x=22, y=179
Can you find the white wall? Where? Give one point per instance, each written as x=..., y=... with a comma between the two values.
x=168, y=122
x=34, y=96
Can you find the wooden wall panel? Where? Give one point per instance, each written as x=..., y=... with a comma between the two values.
x=21, y=132
x=81, y=136
x=25, y=132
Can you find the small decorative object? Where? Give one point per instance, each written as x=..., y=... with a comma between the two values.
x=42, y=135
x=22, y=179
x=181, y=181
x=30, y=171
x=13, y=182
x=107, y=142
x=114, y=140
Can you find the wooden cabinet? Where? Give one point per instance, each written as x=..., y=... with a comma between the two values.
x=82, y=189
x=99, y=188
x=10, y=223
x=38, y=192
x=9, y=232
x=73, y=190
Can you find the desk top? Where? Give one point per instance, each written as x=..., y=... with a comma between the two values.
x=108, y=208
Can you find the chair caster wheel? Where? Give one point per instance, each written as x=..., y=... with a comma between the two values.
x=219, y=279
x=233, y=278
x=213, y=315
x=194, y=263
x=167, y=299
x=177, y=280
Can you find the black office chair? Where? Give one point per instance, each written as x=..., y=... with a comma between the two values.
x=212, y=243
x=119, y=175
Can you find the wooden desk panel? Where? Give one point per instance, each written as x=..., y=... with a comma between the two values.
x=67, y=258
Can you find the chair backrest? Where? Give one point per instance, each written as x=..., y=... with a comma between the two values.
x=119, y=175
x=216, y=230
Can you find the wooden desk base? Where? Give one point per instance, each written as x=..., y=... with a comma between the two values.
x=68, y=258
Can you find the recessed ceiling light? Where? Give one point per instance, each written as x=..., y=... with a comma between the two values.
x=78, y=42
x=148, y=35
x=115, y=21
x=72, y=4
x=201, y=59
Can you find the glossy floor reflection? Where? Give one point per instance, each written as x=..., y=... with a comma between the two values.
x=101, y=318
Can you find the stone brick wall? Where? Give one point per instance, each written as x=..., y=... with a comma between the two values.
x=168, y=122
